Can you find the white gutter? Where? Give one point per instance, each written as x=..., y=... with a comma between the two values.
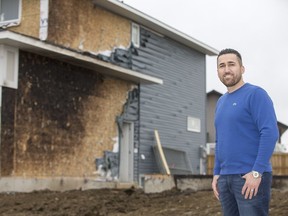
x=143, y=19
x=39, y=47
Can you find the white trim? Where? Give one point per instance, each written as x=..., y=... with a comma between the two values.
x=9, y=58
x=11, y=78
x=43, y=25
x=73, y=57
x=126, y=152
x=135, y=34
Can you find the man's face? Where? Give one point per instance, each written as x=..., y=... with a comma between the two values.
x=229, y=70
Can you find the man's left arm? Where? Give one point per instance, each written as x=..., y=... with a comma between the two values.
x=263, y=114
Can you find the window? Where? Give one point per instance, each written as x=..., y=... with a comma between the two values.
x=8, y=66
x=10, y=12
x=193, y=124
x=135, y=38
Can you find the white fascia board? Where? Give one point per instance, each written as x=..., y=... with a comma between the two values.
x=42, y=48
x=147, y=21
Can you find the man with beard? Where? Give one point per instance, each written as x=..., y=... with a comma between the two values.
x=246, y=134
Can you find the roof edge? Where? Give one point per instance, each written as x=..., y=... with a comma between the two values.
x=42, y=48
x=139, y=17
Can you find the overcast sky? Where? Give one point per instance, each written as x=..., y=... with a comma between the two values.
x=258, y=29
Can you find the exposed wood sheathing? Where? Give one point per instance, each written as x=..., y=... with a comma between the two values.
x=83, y=26
x=62, y=118
x=30, y=19
x=78, y=25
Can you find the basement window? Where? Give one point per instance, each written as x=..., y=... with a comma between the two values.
x=10, y=12
x=135, y=35
x=9, y=66
x=193, y=124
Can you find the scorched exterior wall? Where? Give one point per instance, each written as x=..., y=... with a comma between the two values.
x=59, y=120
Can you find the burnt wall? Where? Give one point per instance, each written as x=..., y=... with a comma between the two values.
x=64, y=117
x=7, y=131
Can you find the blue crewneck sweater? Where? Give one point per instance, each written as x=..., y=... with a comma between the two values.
x=246, y=131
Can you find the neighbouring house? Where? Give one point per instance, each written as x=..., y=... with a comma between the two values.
x=85, y=84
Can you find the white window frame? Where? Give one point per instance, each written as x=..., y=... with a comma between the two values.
x=135, y=35
x=10, y=22
x=9, y=65
x=193, y=124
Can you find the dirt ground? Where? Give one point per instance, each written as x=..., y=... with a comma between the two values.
x=107, y=202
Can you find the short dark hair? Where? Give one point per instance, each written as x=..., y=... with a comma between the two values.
x=230, y=51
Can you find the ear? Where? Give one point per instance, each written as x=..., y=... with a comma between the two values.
x=242, y=69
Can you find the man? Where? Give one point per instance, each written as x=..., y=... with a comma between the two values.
x=246, y=134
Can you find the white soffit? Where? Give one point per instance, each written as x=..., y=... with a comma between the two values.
x=139, y=17
x=36, y=46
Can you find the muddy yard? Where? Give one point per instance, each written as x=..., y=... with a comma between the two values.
x=108, y=202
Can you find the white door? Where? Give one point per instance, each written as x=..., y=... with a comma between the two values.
x=126, y=153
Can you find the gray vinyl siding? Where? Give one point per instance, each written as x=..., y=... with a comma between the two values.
x=166, y=107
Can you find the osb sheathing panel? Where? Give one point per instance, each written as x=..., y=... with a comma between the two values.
x=77, y=25
x=83, y=26
x=30, y=18
x=65, y=117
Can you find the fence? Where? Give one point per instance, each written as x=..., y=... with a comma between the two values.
x=279, y=163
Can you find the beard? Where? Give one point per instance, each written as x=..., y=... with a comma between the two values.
x=231, y=80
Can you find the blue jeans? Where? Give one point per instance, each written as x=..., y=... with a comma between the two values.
x=233, y=202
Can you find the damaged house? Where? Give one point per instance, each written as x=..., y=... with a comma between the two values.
x=86, y=83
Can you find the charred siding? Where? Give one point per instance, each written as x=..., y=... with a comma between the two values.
x=7, y=131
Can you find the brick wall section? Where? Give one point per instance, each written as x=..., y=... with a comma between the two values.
x=64, y=117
